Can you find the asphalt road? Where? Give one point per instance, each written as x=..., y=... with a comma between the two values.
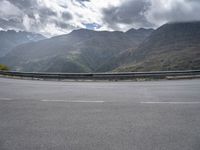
x=48, y=115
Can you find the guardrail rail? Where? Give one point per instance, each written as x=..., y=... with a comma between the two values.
x=103, y=76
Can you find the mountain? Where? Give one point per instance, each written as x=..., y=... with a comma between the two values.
x=173, y=46
x=79, y=51
x=10, y=39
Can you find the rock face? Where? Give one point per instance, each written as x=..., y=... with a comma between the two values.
x=10, y=39
x=80, y=51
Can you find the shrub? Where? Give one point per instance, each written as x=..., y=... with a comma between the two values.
x=3, y=67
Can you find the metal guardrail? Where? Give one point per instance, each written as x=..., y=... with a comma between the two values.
x=102, y=76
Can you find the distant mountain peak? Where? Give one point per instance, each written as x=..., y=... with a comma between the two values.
x=186, y=24
x=140, y=29
x=131, y=30
x=82, y=30
x=19, y=32
x=11, y=38
x=183, y=22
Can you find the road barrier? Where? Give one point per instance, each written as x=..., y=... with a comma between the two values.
x=105, y=76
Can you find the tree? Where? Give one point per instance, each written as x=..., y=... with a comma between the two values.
x=3, y=67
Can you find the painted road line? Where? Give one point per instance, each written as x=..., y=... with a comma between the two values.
x=170, y=102
x=75, y=101
x=5, y=99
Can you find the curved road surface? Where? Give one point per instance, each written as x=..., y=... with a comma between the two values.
x=48, y=115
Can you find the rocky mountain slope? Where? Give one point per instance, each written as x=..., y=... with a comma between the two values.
x=173, y=46
x=10, y=39
x=80, y=51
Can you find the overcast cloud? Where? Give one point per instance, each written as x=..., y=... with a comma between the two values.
x=54, y=17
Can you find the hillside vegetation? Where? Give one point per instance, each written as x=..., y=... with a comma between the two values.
x=3, y=68
x=174, y=46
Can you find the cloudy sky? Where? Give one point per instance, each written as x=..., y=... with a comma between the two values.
x=54, y=17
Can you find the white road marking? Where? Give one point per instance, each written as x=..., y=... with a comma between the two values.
x=75, y=101
x=170, y=102
x=5, y=99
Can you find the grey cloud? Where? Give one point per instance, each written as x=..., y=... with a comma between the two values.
x=178, y=11
x=46, y=12
x=67, y=16
x=45, y=15
x=30, y=7
x=196, y=1
x=38, y=16
x=129, y=12
x=151, y=13
x=24, y=4
x=63, y=25
x=11, y=24
x=83, y=0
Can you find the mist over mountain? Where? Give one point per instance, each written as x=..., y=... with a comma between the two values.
x=80, y=51
x=10, y=39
